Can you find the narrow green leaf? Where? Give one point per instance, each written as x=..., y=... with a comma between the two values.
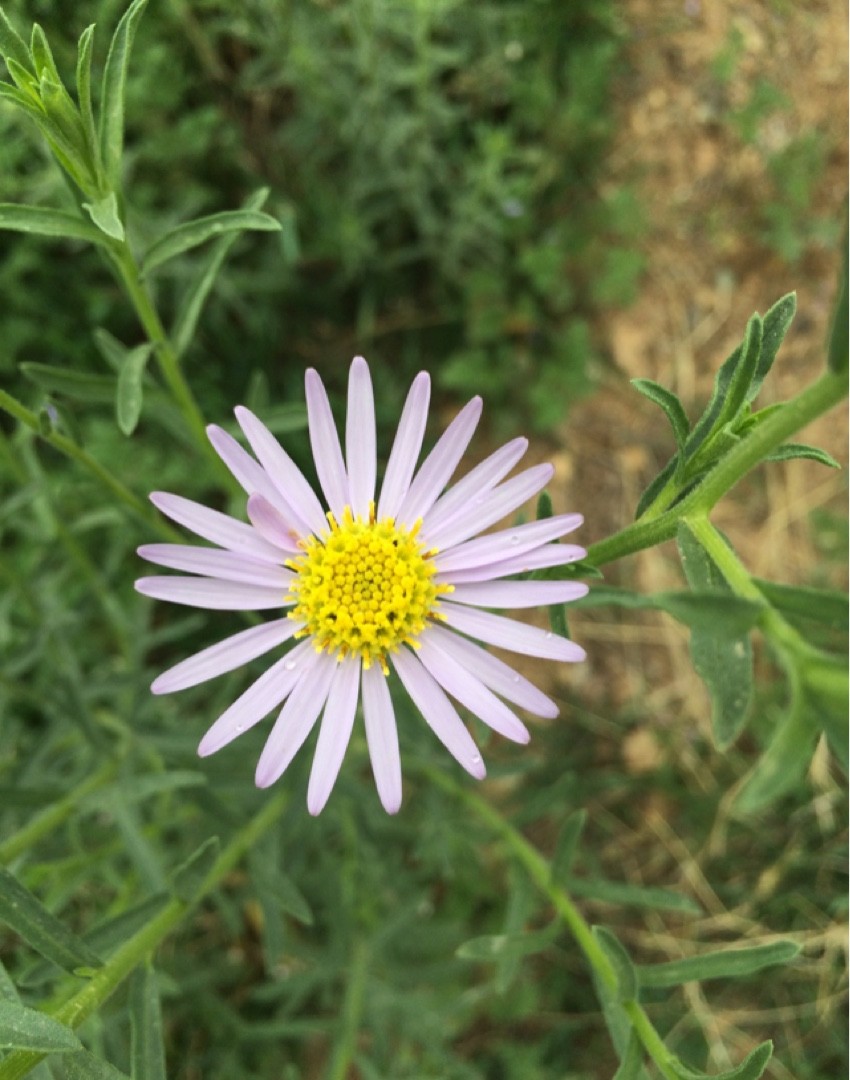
x=47, y=222
x=104, y=213
x=803, y=450
x=492, y=947
x=837, y=351
x=621, y=962
x=784, y=763
x=28, y=1029
x=712, y=614
x=557, y=612
x=567, y=846
x=706, y=424
x=630, y=1067
x=134, y=789
x=85, y=1066
x=821, y=605
x=42, y=55
x=29, y=918
x=110, y=348
x=751, y=1068
x=192, y=233
x=193, y=302
x=84, y=57
x=671, y=405
x=12, y=45
x=723, y=964
x=112, y=91
x=105, y=937
x=776, y=324
x=723, y=660
x=648, y=497
x=129, y=394
x=189, y=876
x=25, y=81
x=69, y=383
x=743, y=373
x=290, y=898
x=616, y=892
x=63, y=112
x=147, y=1051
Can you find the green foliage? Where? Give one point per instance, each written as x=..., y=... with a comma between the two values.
x=418, y=161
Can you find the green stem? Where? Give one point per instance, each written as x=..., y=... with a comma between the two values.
x=125, y=959
x=352, y=1010
x=169, y=364
x=540, y=873
x=53, y=816
x=70, y=449
x=815, y=399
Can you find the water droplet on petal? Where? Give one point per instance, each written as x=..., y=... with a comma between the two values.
x=515, y=539
x=240, y=728
x=516, y=678
x=548, y=635
x=476, y=759
x=290, y=665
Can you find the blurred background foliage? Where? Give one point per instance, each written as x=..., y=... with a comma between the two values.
x=432, y=165
x=442, y=175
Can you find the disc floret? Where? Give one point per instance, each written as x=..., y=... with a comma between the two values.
x=365, y=588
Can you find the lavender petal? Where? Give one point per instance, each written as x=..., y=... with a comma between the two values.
x=509, y=634
x=360, y=453
x=324, y=440
x=224, y=656
x=334, y=733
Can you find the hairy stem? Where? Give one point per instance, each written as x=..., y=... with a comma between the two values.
x=810, y=403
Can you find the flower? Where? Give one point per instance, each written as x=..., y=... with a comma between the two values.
x=370, y=587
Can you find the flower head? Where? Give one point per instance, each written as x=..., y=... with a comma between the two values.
x=367, y=587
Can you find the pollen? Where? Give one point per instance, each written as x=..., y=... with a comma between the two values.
x=365, y=588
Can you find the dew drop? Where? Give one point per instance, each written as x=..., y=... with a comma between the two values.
x=514, y=539
x=290, y=665
x=476, y=759
x=548, y=635
x=516, y=678
x=240, y=728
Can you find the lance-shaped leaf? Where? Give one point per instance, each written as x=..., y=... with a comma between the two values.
x=104, y=213
x=671, y=405
x=12, y=45
x=620, y=961
x=85, y=1066
x=722, y=964
x=655, y=486
x=723, y=661
x=495, y=947
x=192, y=233
x=72, y=384
x=189, y=877
x=84, y=55
x=751, y=1068
x=837, y=352
x=567, y=846
x=130, y=393
x=618, y=892
x=803, y=450
x=29, y=918
x=630, y=1067
x=112, y=91
x=42, y=55
x=28, y=1029
x=147, y=1051
x=802, y=602
x=786, y=760
x=193, y=302
x=48, y=222
x=775, y=327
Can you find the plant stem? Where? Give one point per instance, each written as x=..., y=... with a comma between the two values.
x=70, y=449
x=815, y=399
x=540, y=873
x=352, y=1010
x=128, y=956
x=169, y=365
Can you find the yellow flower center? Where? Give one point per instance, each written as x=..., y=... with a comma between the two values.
x=365, y=588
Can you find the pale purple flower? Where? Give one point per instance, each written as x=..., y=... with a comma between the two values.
x=400, y=582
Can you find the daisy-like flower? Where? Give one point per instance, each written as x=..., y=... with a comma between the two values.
x=368, y=587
